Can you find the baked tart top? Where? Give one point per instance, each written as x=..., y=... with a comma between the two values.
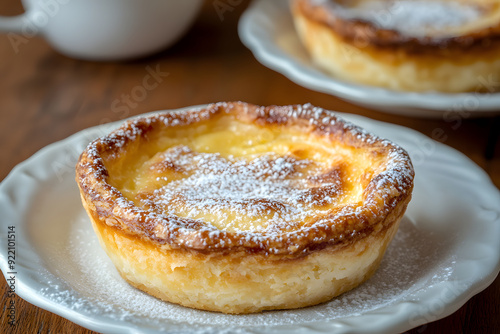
x=282, y=180
x=413, y=24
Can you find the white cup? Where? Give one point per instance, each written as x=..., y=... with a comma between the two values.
x=102, y=29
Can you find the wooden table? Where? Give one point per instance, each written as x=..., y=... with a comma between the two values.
x=45, y=97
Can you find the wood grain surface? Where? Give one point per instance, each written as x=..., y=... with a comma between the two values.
x=45, y=97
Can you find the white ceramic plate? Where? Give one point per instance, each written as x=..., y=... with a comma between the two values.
x=266, y=28
x=446, y=250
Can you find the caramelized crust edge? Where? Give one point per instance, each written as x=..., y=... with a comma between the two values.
x=389, y=191
x=361, y=33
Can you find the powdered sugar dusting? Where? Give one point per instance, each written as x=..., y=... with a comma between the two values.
x=263, y=191
x=411, y=17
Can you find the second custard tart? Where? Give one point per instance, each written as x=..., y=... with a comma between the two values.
x=405, y=45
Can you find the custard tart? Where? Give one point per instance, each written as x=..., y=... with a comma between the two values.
x=239, y=208
x=404, y=45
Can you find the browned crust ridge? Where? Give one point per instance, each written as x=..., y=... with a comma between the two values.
x=386, y=193
x=363, y=33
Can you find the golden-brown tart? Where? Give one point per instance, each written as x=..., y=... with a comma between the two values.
x=405, y=45
x=239, y=208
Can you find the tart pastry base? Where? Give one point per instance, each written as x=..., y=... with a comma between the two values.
x=356, y=47
x=239, y=282
x=238, y=208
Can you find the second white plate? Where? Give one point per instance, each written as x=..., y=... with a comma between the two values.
x=267, y=29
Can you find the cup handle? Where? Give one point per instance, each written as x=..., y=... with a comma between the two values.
x=20, y=24
x=12, y=23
